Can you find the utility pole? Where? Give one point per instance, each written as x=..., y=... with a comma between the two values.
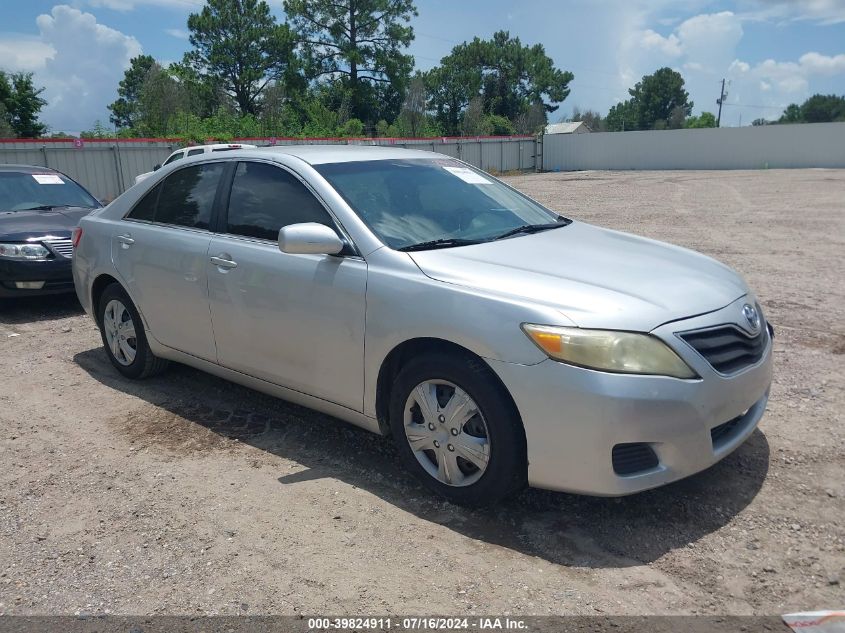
x=720, y=101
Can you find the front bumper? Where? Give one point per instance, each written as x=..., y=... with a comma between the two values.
x=56, y=273
x=574, y=417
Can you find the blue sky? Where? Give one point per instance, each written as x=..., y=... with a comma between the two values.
x=773, y=52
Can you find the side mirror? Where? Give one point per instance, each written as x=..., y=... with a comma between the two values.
x=309, y=238
x=157, y=167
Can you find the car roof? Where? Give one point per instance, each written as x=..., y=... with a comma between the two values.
x=28, y=169
x=321, y=154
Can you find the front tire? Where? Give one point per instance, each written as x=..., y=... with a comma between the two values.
x=457, y=430
x=123, y=335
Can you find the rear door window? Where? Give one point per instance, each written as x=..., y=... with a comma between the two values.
x=184, y=198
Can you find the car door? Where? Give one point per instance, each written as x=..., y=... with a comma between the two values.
x=161, y=252
x=293, y=320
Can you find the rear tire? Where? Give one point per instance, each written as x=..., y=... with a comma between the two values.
x=457, y=429
x=124, y=339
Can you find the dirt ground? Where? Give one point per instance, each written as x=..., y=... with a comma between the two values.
x=185, y=494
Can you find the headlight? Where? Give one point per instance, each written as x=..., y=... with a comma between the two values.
x=608, y=350
x=24, y=251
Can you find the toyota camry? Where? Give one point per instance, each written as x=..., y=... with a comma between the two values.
x=499, y=343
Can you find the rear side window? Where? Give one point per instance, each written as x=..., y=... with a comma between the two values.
x=195, y=152
x=265, y=198
x=184, y=198
x=145, y=210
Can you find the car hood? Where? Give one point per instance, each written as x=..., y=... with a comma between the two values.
x=596, y=277
x=22, y=225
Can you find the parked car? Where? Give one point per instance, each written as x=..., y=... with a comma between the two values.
x=498, y=342
x=39, y=208
x=195, y=150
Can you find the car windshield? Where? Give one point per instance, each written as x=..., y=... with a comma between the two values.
x=20, y=191
x=417, y=201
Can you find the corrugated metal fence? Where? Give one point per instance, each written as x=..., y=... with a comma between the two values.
x=107, y=167
x=763, y=147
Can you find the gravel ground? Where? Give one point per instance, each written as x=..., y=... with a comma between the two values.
x=185, y=494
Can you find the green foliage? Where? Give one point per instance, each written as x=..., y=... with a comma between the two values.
x=817, y=109
x=239, y=46
x=98, y=131
x=124, y=111
x=792, y=114
x=499, y=125
x=658, y=101
x=509, y=77
x=705, y=119
x=357, y=44
x=21, y=102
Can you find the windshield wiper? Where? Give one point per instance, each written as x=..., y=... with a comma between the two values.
x=534, y=228
x=46, y=207
x=444, y=242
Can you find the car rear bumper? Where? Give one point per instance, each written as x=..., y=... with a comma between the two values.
x=606, y=434
x=55, y=273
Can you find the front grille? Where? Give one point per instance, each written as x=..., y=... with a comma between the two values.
x=633, y=458
x=727, y=348
x=725, y=432
x=62, y=247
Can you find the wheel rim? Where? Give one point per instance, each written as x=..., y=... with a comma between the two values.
x=447, y=433
x=120, y=332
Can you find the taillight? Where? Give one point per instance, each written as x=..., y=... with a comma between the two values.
x=77, y=235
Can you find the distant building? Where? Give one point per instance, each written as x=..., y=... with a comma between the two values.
x=574, y=127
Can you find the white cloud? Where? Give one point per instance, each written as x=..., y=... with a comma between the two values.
x=129, y=5
x=180, y=34
x=79, y=62
x=821, y=11
x=791, y=78
x=669, y=46
x=25, y=53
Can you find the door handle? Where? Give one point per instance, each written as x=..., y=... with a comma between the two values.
x=221, y=261
x=125, y=239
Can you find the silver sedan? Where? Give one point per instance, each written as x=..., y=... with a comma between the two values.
x=499, y=343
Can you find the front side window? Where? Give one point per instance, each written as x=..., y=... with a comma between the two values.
x=266, y=198
x=184, y=198
x=412, y=201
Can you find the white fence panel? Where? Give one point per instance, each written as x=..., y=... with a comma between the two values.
x=770, y=146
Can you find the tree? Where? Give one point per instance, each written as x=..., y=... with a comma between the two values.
x=160, y=100
x=823, y=109
x=705, y=119
x=658, y=101
x=98, y=131
x=450, y=87
x=622, y=117
x=124, y=111
x=510, y=77
x=21, y=102
x=413, y=113
x=761, y=121
x=239, y=46
x=792, y=114
x=474, y=123
x=358, y=44
x=591, y=119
